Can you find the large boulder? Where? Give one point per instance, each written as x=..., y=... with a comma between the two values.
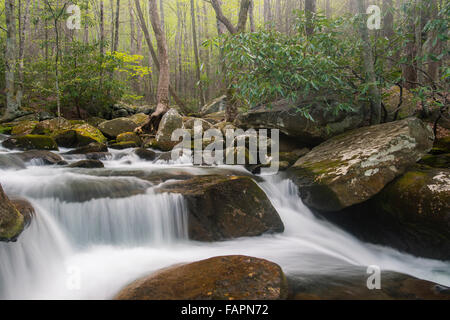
x=352, y=285
x=30, y=142
x=87, y=164
x=93, y=147
x=140, y=119
x=52, y=126
x=79, y=135
x=117, y=126
x=170, y=122
x=218, y=278
x=12, y=222
x=284, y=115
x=129, y=136
x=353, y=167
x=226, y=207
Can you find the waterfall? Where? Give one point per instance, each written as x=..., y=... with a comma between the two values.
x=95, y=231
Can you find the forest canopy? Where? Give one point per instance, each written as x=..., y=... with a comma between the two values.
x=255, y=51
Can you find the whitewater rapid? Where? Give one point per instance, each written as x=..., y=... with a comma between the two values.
x=86, y=244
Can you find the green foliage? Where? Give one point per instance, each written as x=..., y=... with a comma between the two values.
x=85, y=77
x=267, y=65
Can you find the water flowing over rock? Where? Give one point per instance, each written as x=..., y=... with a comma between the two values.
x=88, y=164
x=11, y=220
x=170, y=122
x=226, y=207
x=353, y=167
x=93, y=147
x=218, y=278
x=284, y=115
x=117, y=126
x=40, y=156
x=79, y=135
x=411, y=214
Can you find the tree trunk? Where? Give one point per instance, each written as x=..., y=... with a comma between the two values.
x=375, y=97
x=162, y=97
x=116, y=28
x=433, y=45
x=252, y=16
x=328, y=9
x=197, y=60
x=10, y=60
x=310, y=10
x=268, y=14
x=155, y=59
x=409, y=72
x=23, y=21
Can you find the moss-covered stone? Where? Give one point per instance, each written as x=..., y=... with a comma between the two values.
x=79, y=136
x=140, y=119
x=123, y=145
x=11, y=221
x=52, y=126
x=24, y=127
x=353, y=167
x=30, y=142
x=117, y=126
x=129, y=136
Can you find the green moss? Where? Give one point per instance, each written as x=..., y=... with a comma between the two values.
x=124, y=145
x=31, y=142
x=24, y=127
x=12, y=229
x=5, y=130
x=437, y=161
x=129, y=136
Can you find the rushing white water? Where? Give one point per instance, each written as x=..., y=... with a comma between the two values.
x=97, y=230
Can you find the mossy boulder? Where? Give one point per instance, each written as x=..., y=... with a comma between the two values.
x=129, y=136
x=79, y=136
x=123, y=145
x=12, y=222
x=190, y=122
x=170, y=122
x=218, y=278
x=26, y=210
x=226, y=207
x=139, y=119
x=52, y=126
x=30, y=142
x=353, y=167
x=115, y=127
x=145, y=154
x=23, y=128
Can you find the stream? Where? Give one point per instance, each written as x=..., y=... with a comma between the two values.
x=93, y=226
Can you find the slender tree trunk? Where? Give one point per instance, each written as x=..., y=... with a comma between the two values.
x=328, y=9
x=116, y=28
x=252, y=16
x=310, y=9
x=409, y=71
x=197, y=60
x=23, y=21
x=10, y=60
x=155, y=59
x=375, y=97
x=433, y=44
x=268, y=20
x=162, y=97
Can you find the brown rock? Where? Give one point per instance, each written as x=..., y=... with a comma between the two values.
x=219, y=278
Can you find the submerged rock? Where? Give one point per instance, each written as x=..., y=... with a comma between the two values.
x=46, y=157
x=226, y=207
x=353, y=167
x=88, y=164
x=12, y=221
x=30, y=142
x=145, y=154
x=93, y=147
x=170, y=122
x=117, y=126
x=218, y=278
